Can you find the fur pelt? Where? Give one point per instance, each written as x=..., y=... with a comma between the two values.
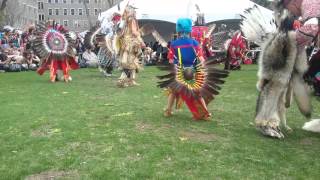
x=281, y=69
x=282, y=65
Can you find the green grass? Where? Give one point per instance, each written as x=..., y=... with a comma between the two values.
x=102, y=132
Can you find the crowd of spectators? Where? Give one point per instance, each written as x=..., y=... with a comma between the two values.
x=154, y=54
x=16, y=54
x=13, y=55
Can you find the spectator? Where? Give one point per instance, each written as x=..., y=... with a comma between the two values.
x=90, y=58
x=5, y=40
x=31, y=61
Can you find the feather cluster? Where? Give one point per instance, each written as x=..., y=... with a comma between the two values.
x=206, y=80
x=255, y=26
x=52, y=41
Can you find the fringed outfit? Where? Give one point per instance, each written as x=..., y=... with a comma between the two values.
x=130, y=48
x=54, y=46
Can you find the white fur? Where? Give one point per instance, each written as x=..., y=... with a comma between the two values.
x=313, y=126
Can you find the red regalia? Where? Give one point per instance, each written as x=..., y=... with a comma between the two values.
x=54, y=46
x=199, y=34
x=236, y=52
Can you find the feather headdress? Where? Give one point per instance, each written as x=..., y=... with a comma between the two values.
x=53, y=40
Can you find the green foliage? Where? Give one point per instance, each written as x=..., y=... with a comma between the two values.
x=102, y=132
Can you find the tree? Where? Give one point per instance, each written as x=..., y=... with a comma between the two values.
x=2, y=7
x=87, y=13
x=13, y=13
x=111, y=3
x=264, y=3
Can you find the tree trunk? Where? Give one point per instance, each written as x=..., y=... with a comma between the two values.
x=110, y=3
x=3, y=5
x=88, y=14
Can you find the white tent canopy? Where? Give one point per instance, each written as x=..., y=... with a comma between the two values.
x=171, y=10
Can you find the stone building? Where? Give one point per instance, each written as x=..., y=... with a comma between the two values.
x=76, y=15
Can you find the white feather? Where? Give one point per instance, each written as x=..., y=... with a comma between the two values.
x=256, y=26
x=210, y=30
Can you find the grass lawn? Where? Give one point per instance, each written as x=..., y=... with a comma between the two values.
x=90, y=129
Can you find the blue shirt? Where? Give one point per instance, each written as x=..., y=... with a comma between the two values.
x=188, y=48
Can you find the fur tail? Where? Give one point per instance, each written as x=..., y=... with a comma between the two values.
x=302, y=96
x=313, y=126
x=256, y=26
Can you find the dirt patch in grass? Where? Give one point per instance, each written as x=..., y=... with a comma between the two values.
x=144, y=126
x=52, y=175
x=307, y=141
x=197, y=136
x=45, y=131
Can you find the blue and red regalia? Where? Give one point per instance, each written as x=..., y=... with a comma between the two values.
x=192, y=80
x=54, y=45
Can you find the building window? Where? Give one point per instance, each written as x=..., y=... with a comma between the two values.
x=95, y=1
x=72, y=11
x=57, y=12
x=72, y=1
x=80, y=1
x=65, y=12
x=50, y=12
x=96, y=12
x=49, y=1
x=56, y=1
x=80, y=12
x=88, y=11
x=39, y=17
x=42, y=16
x=65, y=23
x=65, y=1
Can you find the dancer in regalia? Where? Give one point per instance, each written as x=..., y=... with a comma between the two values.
x=130, y=51
x=283, y=61
x=191, y=78
x=105, y=37
x=202, y=33
x=55, y=47
x=236, y=52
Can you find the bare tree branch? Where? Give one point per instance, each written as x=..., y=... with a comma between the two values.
x=3, y=5
x=111, y=3
x=87, y=13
